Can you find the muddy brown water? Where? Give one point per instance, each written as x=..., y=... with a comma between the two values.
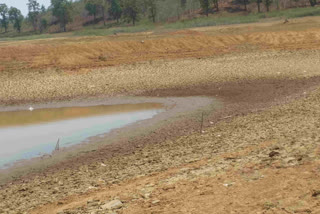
x=27, y=134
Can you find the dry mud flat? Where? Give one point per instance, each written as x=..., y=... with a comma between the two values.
x=188, y=77
x=263, y=162
x=259, y=154
x=68, y=68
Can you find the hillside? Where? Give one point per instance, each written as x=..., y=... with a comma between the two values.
x=168, y=15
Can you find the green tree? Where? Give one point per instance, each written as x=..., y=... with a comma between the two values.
x=16, y=18
x=62, y=9
x=183, y=4
x=93, y=9
x=43, y=25
x=115, y=10
x=313, y=2
x=104, y=7
x=277, y=4
x=259, y=5
x=295, y=1
x=152, y=9
x=268, y=4
x=34, y=13
x=43, y=9
x=245, y=3
x=205, y=5
x=4, y=17
x=216, y=4
x=131, y=11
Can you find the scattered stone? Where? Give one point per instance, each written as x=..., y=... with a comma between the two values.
x=303, y=210
x=115, y=204
x=168, y=188
x=92, y=187
x=273, y=153
x=146, y=196
x=150, y=185
x=93, y=202
x=315, y=193
x=155, y=201
x=289, y=160
x=228, y=185
x=23, y=189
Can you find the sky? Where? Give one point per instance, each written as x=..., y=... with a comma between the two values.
x=22, y=4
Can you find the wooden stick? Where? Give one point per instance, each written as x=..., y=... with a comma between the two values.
x=201, y=123
x=57, y=146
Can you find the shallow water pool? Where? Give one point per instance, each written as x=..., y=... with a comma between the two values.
x=28, y=134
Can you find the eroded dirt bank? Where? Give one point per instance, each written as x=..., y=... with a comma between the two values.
x=83, y=53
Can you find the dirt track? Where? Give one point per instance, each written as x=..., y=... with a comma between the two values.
x=260, y=154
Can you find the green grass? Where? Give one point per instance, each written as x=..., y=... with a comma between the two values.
x=93, y=30
x=109, y=30
x=241, y=19
x=213, y=21
x=295, y=13
x=29, y=37
x=145, y=25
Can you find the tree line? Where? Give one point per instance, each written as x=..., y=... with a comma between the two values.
x=62, y=11
x=15, y=16
x=208, y=5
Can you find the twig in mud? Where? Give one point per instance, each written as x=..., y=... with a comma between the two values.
x=201, y=123
x=57, y=145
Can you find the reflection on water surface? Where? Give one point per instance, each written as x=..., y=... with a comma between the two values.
x=27, y=134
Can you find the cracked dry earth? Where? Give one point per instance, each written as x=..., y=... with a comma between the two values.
x=264, y=162
x=148, y=78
